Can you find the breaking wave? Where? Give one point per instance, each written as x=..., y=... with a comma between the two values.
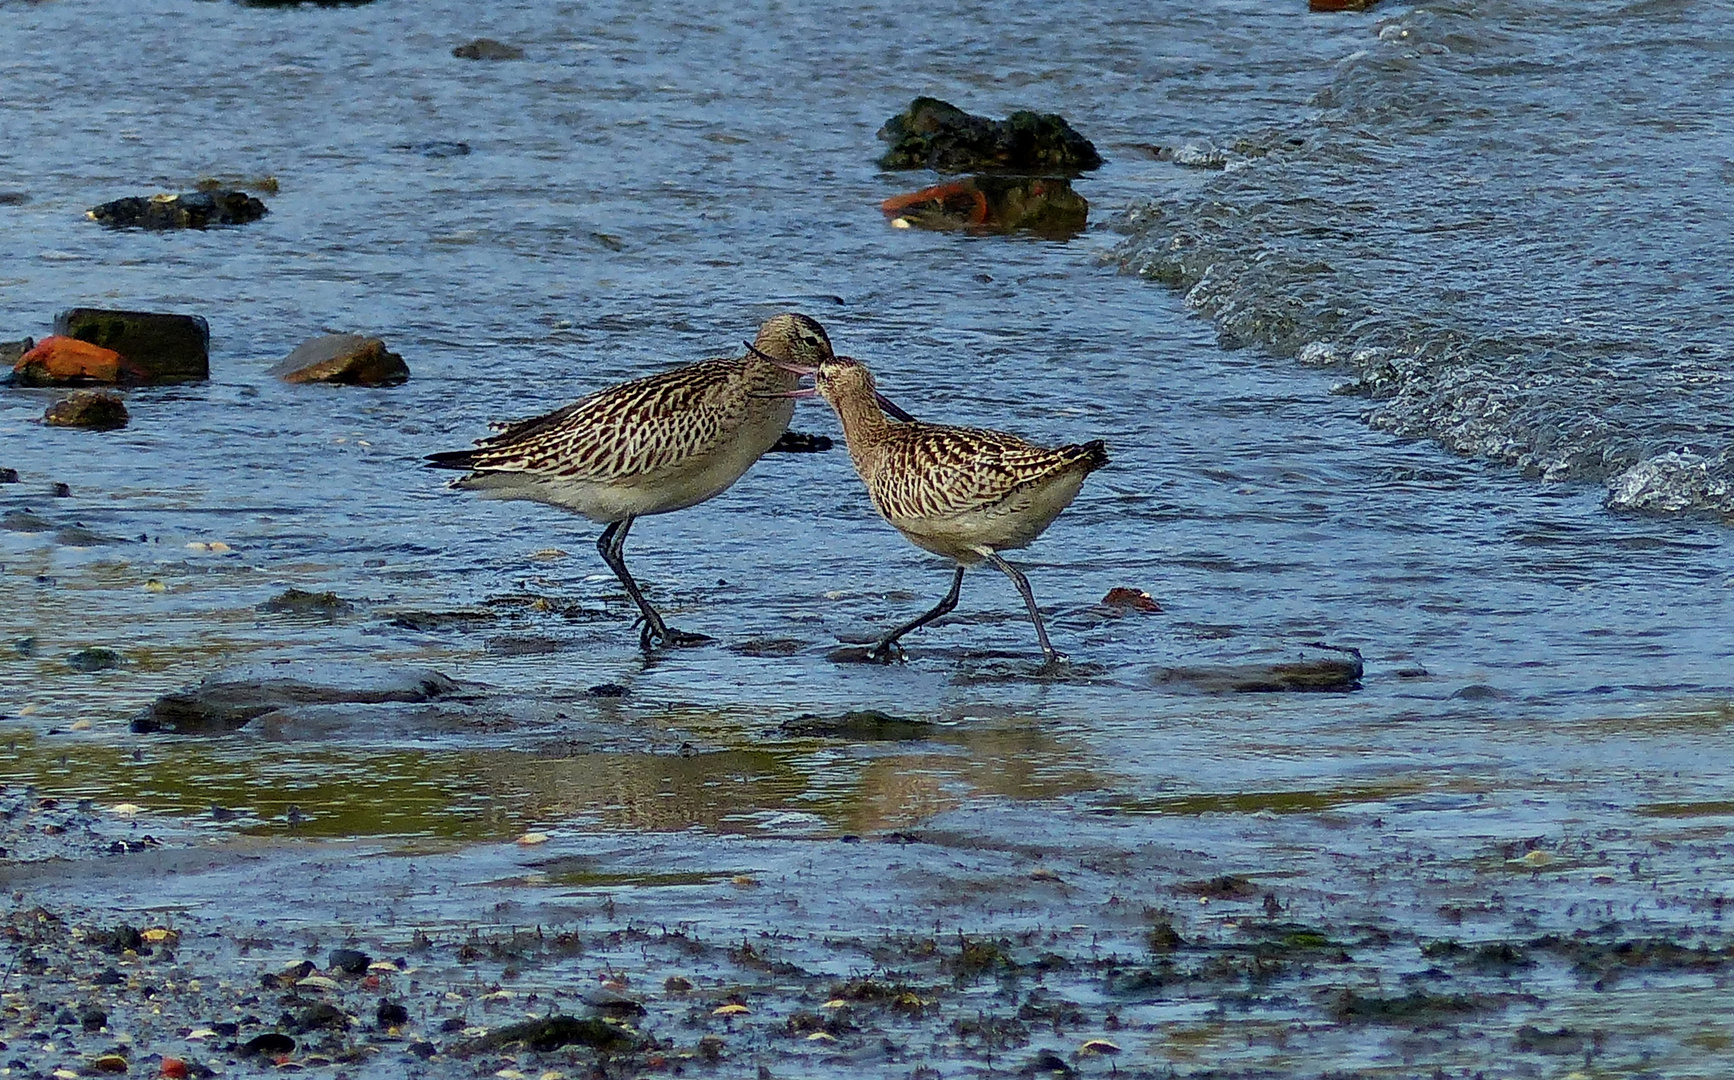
x=1511, y=225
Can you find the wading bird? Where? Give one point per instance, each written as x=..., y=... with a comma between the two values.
x=964, y=493
x=656, y=444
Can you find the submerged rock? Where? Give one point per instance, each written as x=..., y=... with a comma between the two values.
x=350, y=359
x=24, y=521
x=129, y=346
x=1318, y=676
x=553, y=1032
x=94, y=658
x=436, y=149
x=1340, y=5
x=487, y=49
x=192, y=210
x=299, y=3
x=1040, y=204
x=227, y=703
x=301, y=602
x=8, y=476
x=862, y=725
x=97, y=410
x=933, y=134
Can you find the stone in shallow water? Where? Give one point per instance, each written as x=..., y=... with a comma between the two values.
x=1044, y=205
x=350, y=359
x=192, y=210
x=229, y=702
x=301, y=602
x=155, y=347
x=1317, y=676
x=487, y=49
x=94, y=409
x=93, y=659
x=59, y=360
x=934, y=134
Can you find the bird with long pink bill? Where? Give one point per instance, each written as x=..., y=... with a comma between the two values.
x=964, y=493
x=651, y=446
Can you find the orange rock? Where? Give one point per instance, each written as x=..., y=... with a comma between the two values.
x=60, y=359
x=960, y=199
x=173, y=1069
x=1131, y=599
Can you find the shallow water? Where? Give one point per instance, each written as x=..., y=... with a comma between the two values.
x=642, y=191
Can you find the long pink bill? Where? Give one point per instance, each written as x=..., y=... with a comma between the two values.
x=798, y=369
x=802, y=369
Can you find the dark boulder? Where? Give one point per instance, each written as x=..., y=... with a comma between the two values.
x=97, y=410
x=933, y=134
x=343, y=358
x=192, y=210
x=1045, y=205
x=487, y=49
x=155, y=347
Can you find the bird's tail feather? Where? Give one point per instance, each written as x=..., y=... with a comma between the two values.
x=452, y=459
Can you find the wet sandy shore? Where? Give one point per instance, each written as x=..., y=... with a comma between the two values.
x=1000, y=940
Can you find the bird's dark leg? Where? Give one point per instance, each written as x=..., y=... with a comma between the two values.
x=881, y=651
x=1023, y=584
x=611, y=546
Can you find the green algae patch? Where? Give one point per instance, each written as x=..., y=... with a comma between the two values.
x=1254, y=802
x=472, y=795
x=1707, y=808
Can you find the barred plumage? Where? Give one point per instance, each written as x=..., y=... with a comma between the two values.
x=965, y=493
x=650, y=446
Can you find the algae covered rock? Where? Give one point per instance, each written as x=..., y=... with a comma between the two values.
x=192, y=210
x=1045, y=205
x=934, y=134
x=94, y=409
x=154, y=347
x=343, y=358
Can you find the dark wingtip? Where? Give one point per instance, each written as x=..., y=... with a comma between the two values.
x=452, y=459
x=1096, y=453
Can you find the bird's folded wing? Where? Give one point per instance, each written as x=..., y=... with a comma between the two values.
x=632, y=430
x=937, y=472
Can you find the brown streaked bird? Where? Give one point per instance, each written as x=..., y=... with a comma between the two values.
x=964, y=493
x=650, y=446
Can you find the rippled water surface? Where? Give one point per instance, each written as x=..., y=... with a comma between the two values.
x=1509, y=221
